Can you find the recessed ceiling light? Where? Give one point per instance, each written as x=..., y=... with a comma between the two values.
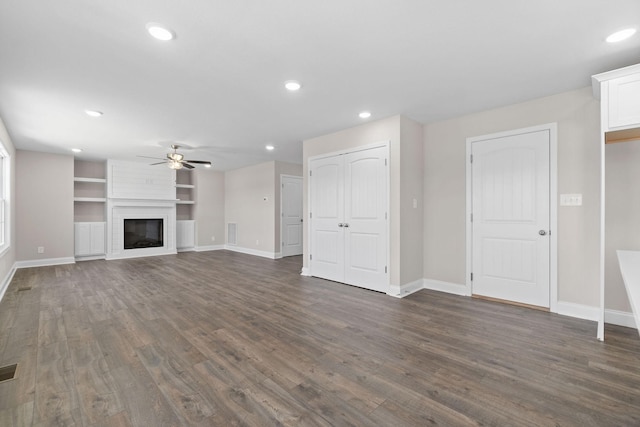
x=364, y=115
x=207, y=165
x=160, y=32
x=618, y=36
x=292, y=85
x=93, y=113
x=76, y=150
x=270, y=147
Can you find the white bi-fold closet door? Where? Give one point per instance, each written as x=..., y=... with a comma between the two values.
x=348, y=214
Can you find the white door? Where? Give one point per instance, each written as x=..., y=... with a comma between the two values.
x=365, y=225
x=349, y=218
x=511, y=217
x=327, y=216
x=291, y=215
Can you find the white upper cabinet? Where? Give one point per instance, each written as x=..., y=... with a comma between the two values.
x=619, y=91
x=624, y=101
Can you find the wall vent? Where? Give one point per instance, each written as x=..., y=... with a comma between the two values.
x=8, y=372
x=232, y=233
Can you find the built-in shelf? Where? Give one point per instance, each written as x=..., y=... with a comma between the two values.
x=96, y=180
x=90, y=199
x=185, y=186
x=185, y=202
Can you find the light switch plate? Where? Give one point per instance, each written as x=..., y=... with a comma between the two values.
x=571, y=200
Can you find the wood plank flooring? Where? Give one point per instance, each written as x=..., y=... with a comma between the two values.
x=226, y=339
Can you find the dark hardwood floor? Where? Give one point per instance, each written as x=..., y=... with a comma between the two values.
x=223, y=339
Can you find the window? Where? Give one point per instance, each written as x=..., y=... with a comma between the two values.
x=5, y=181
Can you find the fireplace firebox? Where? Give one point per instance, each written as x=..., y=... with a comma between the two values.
x=143, y=233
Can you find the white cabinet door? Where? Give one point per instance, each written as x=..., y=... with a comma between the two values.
x=624, y=101
x=349, y=219
x=185, y=234
x=89, y=238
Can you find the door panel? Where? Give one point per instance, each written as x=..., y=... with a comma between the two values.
x=291, y=215
x=327, y=208
x=510, y=208
x=365, y=214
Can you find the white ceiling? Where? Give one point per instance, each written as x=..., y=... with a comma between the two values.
x=218, y=87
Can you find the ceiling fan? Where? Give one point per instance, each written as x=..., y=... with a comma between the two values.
x=176, y=160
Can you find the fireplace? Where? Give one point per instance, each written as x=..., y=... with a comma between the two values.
x=143, y=233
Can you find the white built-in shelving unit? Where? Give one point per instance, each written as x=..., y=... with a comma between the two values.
x=185, y=201
x=619, y=92
x=89, y=209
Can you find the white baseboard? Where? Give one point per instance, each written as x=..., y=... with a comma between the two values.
x=406, y=289
x=4, y=285
x=191, y=249
x=90, y=258
x=45, y=262
x=450, y=288
x=209, y=248
x=620, y=318
x=579, y=311
x=249, y=251
x=305, y=272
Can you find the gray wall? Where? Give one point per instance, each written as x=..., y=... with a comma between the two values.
x=44, y=205
x=209, y=207
x=578, y=116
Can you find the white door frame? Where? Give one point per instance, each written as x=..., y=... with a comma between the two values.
x=307, y=245
x=553, y=206
x=282, y=176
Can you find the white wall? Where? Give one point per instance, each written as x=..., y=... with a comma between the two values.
x=9, y=257
x=44, y=205
x=622, y=216
x=578, y=116
x=209, y=208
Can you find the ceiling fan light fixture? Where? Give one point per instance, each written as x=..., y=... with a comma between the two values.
x=175, y=164
x=207, y=165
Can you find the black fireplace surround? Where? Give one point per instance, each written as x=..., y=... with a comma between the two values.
x=143, y=233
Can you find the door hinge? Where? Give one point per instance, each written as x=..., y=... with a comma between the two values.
x=310, y=215
x=282, y=243
x=282, y=185
x=471, y=158
x=310, y=257
x=471, y=216
x=310, y=173
x=385, y=162
x=385, y=268
x=385, y=216
x=472, y=277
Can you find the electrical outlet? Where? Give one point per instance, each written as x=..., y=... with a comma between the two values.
x=257, y=242
x=213, y=238
x=40, y=249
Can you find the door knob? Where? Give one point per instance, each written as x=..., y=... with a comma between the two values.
x=340, y=225
x=346, y=224
x=542, y=232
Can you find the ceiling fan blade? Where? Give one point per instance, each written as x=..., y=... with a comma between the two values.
x=159, y=163
x=187, y=165
x=202, y=162
x=147, y=157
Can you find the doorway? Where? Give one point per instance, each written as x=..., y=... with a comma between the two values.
x=291, y=215
x=511, y=204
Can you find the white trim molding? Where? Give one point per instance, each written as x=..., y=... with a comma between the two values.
x=44, y=262
x=249, y=251
x=209, y=248
x=305, y=272
x=4, y=285
x=450, y=288
x=620, y=318
x=579, y=311
x=402, y=291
